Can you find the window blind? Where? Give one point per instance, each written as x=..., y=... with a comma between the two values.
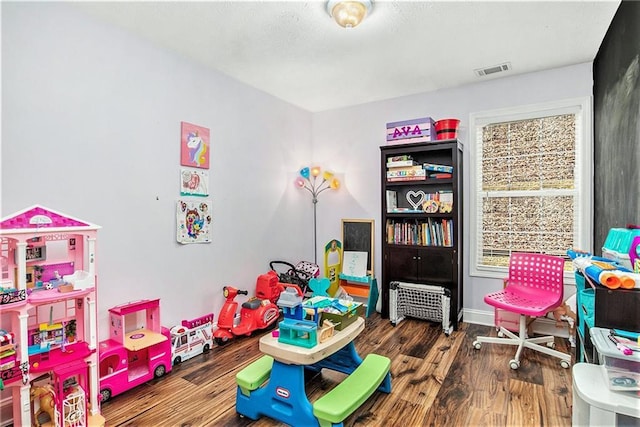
x=528, y=184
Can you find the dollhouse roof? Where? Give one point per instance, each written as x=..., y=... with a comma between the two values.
x=39, y=218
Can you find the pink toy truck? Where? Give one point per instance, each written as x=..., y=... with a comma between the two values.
x=138, y=350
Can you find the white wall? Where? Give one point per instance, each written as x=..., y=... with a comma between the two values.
x=91, y=127
x=91, y=121
x=347, y=140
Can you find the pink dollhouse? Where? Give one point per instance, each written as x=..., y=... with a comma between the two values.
x=49, y=357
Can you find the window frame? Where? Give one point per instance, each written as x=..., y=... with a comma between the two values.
x=583, y=220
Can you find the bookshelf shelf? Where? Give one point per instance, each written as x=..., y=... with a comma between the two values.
x=429, y=254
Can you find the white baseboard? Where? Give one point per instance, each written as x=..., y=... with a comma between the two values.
x=543, y=325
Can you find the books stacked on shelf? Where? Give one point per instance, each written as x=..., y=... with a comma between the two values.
x=404, y=168
x=430, y=232
x=411, y=131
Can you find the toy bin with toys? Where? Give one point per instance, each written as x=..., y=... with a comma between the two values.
x=621, y=358
x=340, y=313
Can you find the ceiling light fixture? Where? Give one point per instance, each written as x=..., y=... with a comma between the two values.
x=348, y=13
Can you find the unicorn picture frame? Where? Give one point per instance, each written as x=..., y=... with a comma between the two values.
x=194, y=146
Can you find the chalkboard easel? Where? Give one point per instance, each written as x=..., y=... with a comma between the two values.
x=357, y=235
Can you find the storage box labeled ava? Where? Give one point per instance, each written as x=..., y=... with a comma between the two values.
x=414, y=130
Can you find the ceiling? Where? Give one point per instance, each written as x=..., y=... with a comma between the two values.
x=294, y=51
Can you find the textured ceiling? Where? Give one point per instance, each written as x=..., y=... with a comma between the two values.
x=294, y=51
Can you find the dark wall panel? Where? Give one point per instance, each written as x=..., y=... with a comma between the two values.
x=616, y=71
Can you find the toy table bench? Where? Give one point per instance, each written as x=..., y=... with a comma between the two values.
x=274, y=385
x=332, y=408
x=254, y=375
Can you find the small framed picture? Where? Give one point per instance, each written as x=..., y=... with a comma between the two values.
x=36, y=253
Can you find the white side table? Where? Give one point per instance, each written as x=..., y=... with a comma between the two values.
x=594, y=404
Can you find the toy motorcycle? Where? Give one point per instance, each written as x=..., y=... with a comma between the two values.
x=255, y=314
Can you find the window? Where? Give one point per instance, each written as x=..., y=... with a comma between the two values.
x=530, y=183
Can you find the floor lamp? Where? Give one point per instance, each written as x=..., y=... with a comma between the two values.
x=310, y=181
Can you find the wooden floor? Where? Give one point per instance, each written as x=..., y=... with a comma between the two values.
x=436, y=381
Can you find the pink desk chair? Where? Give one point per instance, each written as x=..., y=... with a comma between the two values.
x=535, y=286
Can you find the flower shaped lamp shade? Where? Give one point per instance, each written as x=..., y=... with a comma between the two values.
x=315, y=181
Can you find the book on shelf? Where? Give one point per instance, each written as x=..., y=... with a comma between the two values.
x=437, y=168
x=398, y=173
x=399, y=158
x=440, y=175
x=446, y=201
x=407, y=178
x=406, y=168
x=402, y=164
x=392, y=200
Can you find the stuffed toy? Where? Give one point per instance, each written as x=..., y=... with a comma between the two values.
x=566, y=312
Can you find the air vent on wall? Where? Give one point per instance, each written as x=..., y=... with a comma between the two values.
x=480, y=72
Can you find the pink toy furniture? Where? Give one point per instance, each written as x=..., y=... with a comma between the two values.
x=138, y=350
x=53, y=377
x=534, y=287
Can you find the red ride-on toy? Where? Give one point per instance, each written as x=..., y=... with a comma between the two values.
x=268, y=286
x=260, y=312
x=254, y=314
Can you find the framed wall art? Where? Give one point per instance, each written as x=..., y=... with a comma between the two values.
x=194, y=146
x=193, y=219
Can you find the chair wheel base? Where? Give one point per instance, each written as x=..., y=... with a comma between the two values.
x=477, y=345
x=514, y=364
x=565, y=364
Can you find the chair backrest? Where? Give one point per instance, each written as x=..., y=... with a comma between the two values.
x=540, y=274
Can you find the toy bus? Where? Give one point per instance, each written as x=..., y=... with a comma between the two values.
x=138, y=350
x=191, y=338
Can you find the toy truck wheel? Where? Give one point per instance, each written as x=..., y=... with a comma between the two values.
x=105, y=395
x=160, y=371
x=221, y=341
x=177, y=360
x=206, y=348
